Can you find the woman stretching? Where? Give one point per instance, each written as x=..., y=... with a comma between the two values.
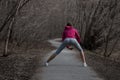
x=70, y=37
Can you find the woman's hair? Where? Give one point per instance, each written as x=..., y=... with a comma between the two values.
x=69, y=24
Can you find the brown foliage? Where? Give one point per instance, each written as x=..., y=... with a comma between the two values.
x=96, y=20
x=99, y=24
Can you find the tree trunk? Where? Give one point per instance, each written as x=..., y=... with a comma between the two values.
x=9, y=30
x=114, y=45
x=20, y=5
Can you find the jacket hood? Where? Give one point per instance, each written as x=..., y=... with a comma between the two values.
x=68, y=27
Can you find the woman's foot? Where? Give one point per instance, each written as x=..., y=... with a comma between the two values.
x=85, y=65
x=46, y=64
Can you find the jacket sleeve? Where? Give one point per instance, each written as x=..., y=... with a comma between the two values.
x=63, y=36
x=77, y=36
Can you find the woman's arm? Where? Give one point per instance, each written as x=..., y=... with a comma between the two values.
x=77, y=36
x=63, y=36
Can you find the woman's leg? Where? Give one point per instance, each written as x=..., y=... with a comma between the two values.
x=51, y=57
x=82, y=54
x=62, y=46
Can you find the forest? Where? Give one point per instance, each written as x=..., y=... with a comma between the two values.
x=97, y=21
x=27, y=23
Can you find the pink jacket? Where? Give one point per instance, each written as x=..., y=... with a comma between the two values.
x=70, y=32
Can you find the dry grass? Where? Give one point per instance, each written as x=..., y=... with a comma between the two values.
x=106, y=68
x=21, y=64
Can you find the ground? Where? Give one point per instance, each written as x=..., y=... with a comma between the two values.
x=66, y=66
x=22, y=65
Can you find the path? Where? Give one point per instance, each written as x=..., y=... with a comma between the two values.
x=65, y=67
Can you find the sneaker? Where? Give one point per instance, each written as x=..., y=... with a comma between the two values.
x=85, y=65
x=46, y=64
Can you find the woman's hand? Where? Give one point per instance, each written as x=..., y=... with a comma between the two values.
x=70, y=47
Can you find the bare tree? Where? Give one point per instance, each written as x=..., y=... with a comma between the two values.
x=97, y=24
x=20, y=4
x=114, y=45
x=112, y=14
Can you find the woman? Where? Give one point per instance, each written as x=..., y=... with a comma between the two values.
x=70, y=37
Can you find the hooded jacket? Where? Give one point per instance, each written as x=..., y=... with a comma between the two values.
x=70, y=32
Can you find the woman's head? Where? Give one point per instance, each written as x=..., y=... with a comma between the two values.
x=69, y=24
